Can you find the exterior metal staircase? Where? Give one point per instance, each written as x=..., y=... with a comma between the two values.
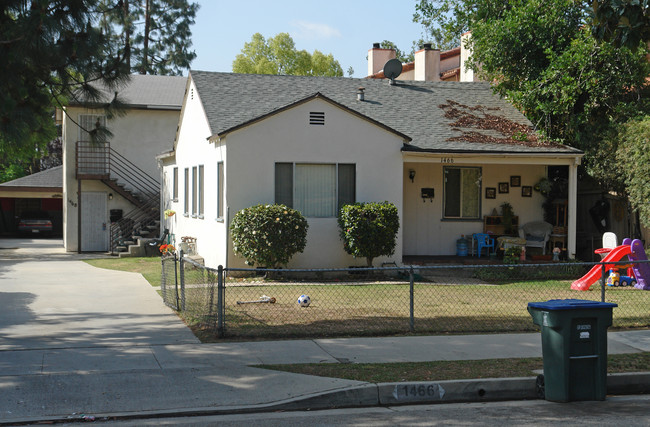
x=98, y=161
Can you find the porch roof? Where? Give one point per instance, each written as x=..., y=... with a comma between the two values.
x=461, y=117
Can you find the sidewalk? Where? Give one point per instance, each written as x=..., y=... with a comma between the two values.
x=136, y=381
x=78, y=341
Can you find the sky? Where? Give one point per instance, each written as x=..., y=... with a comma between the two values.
x=346, y=29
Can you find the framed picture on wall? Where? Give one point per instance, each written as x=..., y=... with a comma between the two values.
x=526, y=191
x=490, y=193
x=515, y=181
x=504, y=188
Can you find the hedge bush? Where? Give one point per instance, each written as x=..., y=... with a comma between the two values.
x=369, y=230
x=268, y=235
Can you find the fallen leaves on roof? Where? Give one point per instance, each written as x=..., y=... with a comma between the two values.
x=470, y=120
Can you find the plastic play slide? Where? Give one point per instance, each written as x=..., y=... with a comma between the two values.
x=641, y=271
x=583, y=283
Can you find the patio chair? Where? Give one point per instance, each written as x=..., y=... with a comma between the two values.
x=537, y=234
x=483, y=240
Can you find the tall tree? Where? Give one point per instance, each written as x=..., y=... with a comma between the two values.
x=541, y=56
x=51, y=51
x=278, y=55
x=155, y=35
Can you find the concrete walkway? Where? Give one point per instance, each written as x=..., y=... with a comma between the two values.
x=77, y=341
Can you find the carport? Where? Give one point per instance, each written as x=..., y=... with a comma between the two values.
x=40, y=191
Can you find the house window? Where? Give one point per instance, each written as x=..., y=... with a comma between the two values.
x=462, y=192
x=316, y=190
x=220, y=187
x=175, y=185
x=186, y=193
x=88, y=123
x=201, y=204
x=194, y=190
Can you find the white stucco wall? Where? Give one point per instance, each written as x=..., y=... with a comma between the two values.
x=193, y=150
x=425, y=230
x=139, y=136
x=250, y=170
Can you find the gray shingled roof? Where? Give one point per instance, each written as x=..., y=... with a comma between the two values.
x=50, y=178
x=411, y=108
x=154, y=92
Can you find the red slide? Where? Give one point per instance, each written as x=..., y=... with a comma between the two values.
x=583, y=283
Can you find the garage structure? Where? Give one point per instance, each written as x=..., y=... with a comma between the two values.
x=42, y=191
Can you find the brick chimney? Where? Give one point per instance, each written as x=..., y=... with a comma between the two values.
x=427, y=64
x=378, y=57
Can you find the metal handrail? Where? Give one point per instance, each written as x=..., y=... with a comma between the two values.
x=101, y=161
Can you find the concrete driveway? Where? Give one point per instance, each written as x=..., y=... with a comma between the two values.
x=52, y=299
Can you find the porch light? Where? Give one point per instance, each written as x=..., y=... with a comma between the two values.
x=110, y=196
x=412, y=174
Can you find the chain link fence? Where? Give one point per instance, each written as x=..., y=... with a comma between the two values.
x=262, y=303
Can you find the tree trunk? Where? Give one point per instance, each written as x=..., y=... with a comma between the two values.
x=127, y=33
x=145, y=46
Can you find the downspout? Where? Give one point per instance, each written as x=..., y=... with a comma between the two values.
x=227, y=234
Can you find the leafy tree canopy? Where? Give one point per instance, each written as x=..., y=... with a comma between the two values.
x=49, y=49
x=633, y=158
x=278, y=55
x=154, y=35
x=625, y=23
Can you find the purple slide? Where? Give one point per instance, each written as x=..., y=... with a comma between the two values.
x=641, y=271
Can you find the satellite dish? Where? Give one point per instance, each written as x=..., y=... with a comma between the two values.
x=392, y=69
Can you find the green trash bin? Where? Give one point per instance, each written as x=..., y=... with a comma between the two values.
x=574, y=347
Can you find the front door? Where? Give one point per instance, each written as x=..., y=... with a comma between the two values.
x=94, y=230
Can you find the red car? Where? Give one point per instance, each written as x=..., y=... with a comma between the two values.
x=35, y=222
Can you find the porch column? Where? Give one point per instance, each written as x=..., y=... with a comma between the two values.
x=572, y=208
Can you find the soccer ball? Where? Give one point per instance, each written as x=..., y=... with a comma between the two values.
x=304, y=300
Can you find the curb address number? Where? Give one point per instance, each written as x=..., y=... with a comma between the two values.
x=418, y=391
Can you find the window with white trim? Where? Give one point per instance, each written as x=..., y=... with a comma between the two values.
x=315, y=189
x=220, y=192
x=175, y=185
x=201, y=192
x=462, y=192
x=194, y=190
x=186, y=193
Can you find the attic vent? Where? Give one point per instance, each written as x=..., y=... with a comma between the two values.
x=316, y=118
x=192, y=94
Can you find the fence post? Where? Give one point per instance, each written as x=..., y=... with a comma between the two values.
x=220, y=295
x=411, y=309
x=182, y=274
x=602, y=283
x=176, y=281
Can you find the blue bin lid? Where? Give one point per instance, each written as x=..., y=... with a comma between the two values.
x=570, y=304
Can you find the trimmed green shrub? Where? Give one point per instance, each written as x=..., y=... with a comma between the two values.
x=268, y=235
x=369, y=230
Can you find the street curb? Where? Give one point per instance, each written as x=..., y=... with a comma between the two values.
x=382, y=394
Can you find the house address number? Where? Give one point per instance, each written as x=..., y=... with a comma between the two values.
x=446, y=160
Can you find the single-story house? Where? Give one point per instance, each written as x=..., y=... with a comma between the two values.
x=447, y=154
x=111, y=189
